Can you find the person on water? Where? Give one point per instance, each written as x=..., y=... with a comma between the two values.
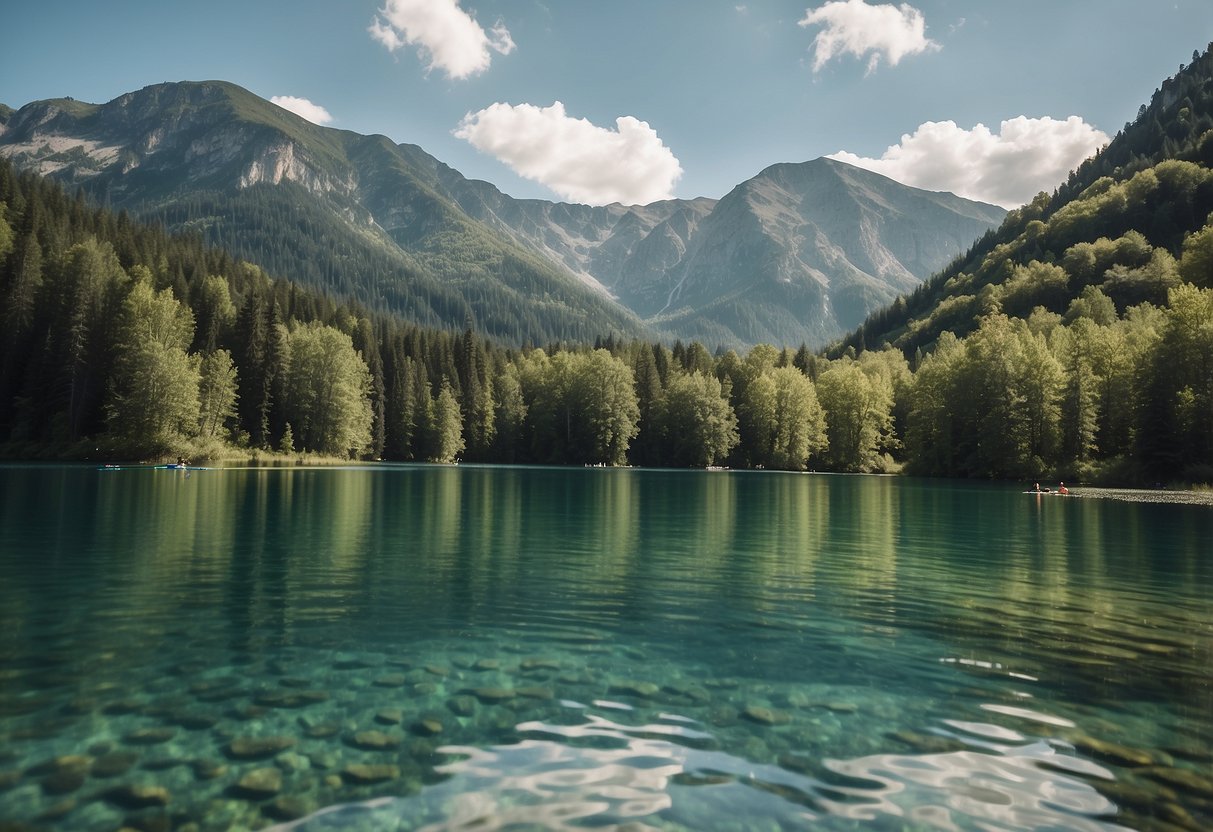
x=182, y=462
x=1061, y=489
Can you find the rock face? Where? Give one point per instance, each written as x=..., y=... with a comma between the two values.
x=801, y=252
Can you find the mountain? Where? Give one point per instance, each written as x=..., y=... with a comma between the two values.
x=799, y=253
x=1119, y=226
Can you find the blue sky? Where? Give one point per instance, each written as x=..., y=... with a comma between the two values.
x=657, y=98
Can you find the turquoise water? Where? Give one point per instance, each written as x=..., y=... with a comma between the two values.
x=409, y=647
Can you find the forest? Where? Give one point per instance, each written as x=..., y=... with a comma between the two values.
x=1076, y=342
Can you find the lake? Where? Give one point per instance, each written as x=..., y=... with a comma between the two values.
x=426, y=647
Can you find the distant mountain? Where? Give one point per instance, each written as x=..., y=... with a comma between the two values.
x=800, y=252
x=1118, y=224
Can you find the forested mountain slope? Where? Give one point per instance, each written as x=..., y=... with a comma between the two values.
x=1118, y=224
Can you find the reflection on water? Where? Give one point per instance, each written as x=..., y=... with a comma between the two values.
x=553, y=648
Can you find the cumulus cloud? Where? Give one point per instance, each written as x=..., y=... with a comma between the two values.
x=448, y=37
x=574, y=158
x=303, y=108
x=1008, y=168
x=852, y=27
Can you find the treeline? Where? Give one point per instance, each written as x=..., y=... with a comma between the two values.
x=120, y=340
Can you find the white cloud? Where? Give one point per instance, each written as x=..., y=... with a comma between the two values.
x=574, y=158
x=303, y=108
x=449, y=38
x=1008, y=168
x=852, y=27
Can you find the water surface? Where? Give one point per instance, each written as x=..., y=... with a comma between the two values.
x=411, y=647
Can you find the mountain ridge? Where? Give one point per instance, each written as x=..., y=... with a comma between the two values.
x=796, y=254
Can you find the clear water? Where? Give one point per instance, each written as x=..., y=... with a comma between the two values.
x=400, y=648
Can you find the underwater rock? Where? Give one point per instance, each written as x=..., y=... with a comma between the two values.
x=149, y=736
x=493, y=696
x=114, y=763
x=322, y=730
x=532, y=665
x=138, y=796
x=487, y=664
x=323, y=759
x=362, y=774
x=928, y=743
x=393, y=680
x=765, y=716
x=536, y=692
x=260, y=783
x=288, y=808
x=122, y=707
x=208, y=769
x=63, y=782
x=291, y=761
x=59, y=810
x=390, y=716
x=643, y=690
x=425, y=688
x=1111, y=752
x=247, y=713
x=8, y=779
x=352, y=664
x=195, y=722
x=428, y=727
x=256, y=748
x=1183, y=779
x=437, y=670
x=375, y=740
x=62, y=764
x=462, y=705
x=290, y=698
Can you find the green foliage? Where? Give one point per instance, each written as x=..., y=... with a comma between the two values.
x=697, y=422
x=327, y=391
x=154, y=388
x=216, y=393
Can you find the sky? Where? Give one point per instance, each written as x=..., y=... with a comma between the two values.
x=633, y=101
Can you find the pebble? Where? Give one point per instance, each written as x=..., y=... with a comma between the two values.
x=1182, y=779
x=428, y=727
x=436, y=670
x=1111, y=752
x=60, y=765
x=541, y=693
x=208, y=769
x=487, y=664
x=138, y=796
x=395, y=680
x=531, y=665
x=389, y=716
x=644, y=690
x=254, y=748
x=63, y=782
x=290, y=698
x=376, y=740
x=363, y=774
x=765, y=716
x=149, y=736
x=260, y=783
x=322, y=730
x=287, y=808
x=493, y=696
